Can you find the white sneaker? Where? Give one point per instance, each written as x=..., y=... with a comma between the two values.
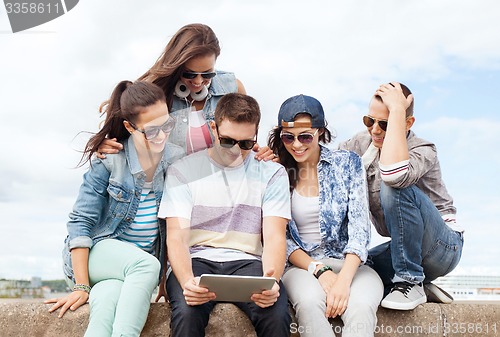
x=436, y=294
x=404, y=296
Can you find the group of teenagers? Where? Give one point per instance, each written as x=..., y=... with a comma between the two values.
x=177, y=187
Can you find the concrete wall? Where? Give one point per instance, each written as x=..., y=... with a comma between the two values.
x=33, y=319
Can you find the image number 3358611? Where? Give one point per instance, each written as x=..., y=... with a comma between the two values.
x=26, y=14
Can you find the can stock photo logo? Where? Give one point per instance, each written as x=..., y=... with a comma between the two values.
x=26, y=15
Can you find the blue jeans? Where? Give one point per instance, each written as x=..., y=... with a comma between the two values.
x=189, y=321
x=422, y=246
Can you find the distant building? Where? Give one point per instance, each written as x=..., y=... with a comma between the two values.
x=36, y=282
x=471, y=287
x=21, y=289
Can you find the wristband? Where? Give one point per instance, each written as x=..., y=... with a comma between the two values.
x=322, y=270
x=82, y=287
x=312, y=266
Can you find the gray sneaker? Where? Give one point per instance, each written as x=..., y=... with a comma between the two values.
x=404, y=296
x=436, y=294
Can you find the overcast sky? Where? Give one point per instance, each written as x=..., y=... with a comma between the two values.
x=54, y=76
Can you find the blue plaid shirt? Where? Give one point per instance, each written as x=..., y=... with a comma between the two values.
x=344, y=221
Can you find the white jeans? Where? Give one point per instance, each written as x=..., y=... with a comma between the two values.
x=309, y=301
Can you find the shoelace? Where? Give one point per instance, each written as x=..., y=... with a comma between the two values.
x=402, y=287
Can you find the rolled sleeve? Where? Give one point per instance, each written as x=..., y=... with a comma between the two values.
x=422, y=158
x=358, y=250
x=80, y=242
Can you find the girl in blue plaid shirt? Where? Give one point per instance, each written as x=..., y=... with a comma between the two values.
x=328, y=236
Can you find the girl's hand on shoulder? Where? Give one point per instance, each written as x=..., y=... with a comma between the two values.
x=108, y=146
x=72, y=302
x=264, y=153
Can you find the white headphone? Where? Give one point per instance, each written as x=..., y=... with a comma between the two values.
x=182, y=91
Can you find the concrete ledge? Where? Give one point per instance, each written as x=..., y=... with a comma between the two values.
x=33, y=319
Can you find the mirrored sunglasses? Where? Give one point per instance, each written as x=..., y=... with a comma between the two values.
x=304, y=138
x=190, y=75
x=370, y=121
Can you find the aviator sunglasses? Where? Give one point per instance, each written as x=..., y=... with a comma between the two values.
x=370, y=121
x=151, y=132
x=191, y=74
x=228, y=142
x=304, y=138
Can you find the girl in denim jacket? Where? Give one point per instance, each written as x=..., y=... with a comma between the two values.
x=328, y=235
x=192, y=86
x=115, y=240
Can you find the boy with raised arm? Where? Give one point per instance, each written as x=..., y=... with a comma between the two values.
x=409, y=202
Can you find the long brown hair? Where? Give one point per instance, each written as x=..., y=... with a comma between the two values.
x=285, y=158
x=190, y=41
x=127, y=101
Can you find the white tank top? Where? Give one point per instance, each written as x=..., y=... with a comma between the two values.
x=305, y=212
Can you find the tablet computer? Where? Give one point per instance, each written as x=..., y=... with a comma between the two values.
x=235, y=288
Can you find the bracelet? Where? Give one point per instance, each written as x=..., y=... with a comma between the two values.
x=82, y=287
x=322, y=270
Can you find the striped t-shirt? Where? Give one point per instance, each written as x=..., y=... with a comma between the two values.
x=225, y=205
x=143, y=231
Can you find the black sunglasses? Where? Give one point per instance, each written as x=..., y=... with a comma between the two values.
x=228, y=142
x=304, y=138
x=370, y=121
x=191, y=74
x=151, y=132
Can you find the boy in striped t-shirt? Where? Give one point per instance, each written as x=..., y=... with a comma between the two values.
x=226, y=214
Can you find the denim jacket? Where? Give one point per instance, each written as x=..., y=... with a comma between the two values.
x=109, y=197
x=343, y=209
x=424, y=172
x=223, y=83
